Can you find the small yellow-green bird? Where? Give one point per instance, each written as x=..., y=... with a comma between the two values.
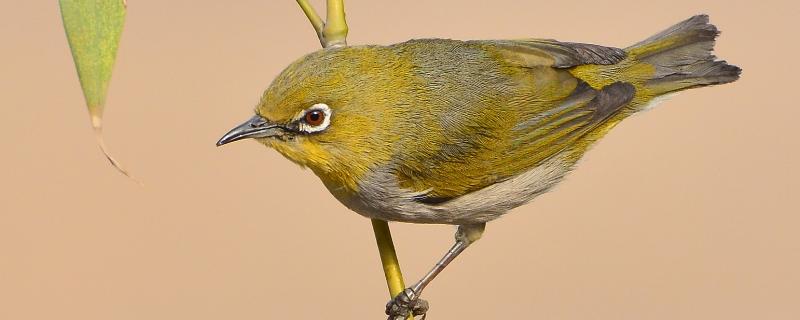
x=460, y=132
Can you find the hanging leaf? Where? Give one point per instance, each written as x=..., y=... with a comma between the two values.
x=93, y=30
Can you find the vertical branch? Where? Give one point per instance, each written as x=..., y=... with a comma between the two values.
x=391, y=267
x=333, y=33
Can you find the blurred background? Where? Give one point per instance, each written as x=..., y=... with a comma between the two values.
x=688, y=211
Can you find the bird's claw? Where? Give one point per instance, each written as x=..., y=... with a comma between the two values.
x=404, y=303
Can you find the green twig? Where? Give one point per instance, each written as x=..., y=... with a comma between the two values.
x=333, y=33
x=391, y=267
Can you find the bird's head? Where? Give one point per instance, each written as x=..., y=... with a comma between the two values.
x=334, y=111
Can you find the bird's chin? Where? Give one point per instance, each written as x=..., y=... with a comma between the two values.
x=277, y=144
x=289, y=149
x=269, y=142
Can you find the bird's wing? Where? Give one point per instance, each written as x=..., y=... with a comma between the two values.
x=552, y=53
x=476, y=154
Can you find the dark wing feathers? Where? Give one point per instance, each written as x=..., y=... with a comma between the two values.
x=586, y=108
x=548, y=133
x=610, y=99
x=538, y=52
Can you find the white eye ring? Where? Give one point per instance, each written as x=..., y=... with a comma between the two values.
x=326, y=121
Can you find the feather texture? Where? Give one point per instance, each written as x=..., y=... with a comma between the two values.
x=460, y=132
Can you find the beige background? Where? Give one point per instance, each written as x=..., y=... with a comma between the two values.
x=686, y=212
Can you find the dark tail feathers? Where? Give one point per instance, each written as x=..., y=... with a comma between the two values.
x=682, y=56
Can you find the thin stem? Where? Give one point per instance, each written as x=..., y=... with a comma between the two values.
x=333, y=33
x=391, y=267
x=313, y=17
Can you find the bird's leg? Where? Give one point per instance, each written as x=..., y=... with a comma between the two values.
x=408, y=301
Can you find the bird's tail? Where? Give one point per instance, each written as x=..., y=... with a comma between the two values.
x=682, y=57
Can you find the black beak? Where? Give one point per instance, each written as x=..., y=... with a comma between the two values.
x=256, y=127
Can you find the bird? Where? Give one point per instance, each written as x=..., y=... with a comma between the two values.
x=441, y=131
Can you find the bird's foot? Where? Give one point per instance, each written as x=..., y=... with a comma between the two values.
x=404, y=303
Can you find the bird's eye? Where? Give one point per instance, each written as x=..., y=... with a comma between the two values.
x=314, y=117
